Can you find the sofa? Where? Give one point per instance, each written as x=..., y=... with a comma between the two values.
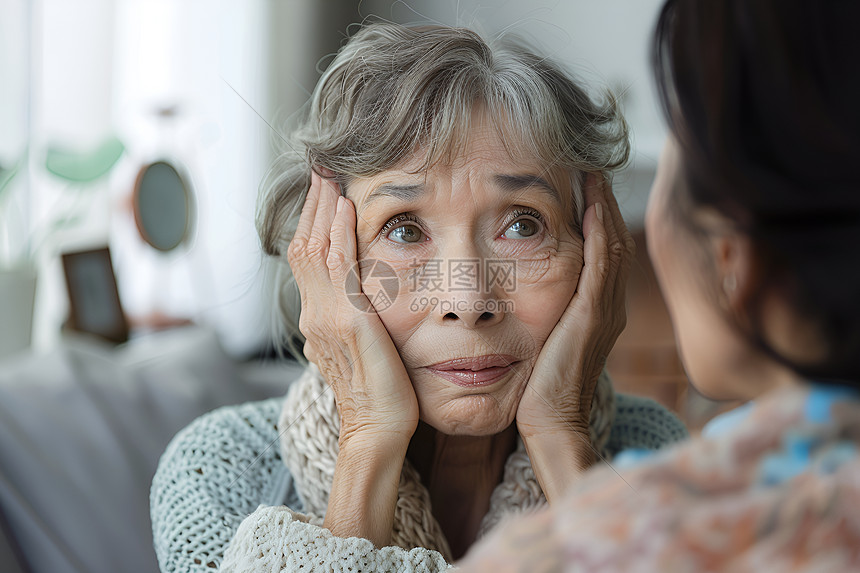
x=82, y=428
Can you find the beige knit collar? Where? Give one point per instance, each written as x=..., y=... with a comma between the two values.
x=309, y=426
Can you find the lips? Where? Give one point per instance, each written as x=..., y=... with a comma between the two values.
x=474, y=370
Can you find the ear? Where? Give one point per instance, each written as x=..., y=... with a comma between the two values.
x=736, y=272
x=741, y=271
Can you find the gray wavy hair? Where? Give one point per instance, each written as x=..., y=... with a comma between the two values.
x=393, y=90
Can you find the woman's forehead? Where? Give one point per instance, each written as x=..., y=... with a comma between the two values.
x=485, y=147
x=487, y=154
x=484, y=181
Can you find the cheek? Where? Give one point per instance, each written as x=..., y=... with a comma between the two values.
x=703, y=344
x=389, y=286
x=671, y=267
x=693, y=318
x=539, y=307
x=545, y=288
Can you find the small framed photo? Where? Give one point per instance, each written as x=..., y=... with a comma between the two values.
x=93, y=296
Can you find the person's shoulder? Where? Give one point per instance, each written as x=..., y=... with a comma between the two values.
x=227, y=426
x=235, y=445
x=214, y=473
x=644, y=424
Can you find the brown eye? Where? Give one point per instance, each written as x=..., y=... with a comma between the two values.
x=403, y=229
x=406, y=234
x=521, y=229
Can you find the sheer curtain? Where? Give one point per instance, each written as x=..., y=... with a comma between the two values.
x=233, y=71
x=228, y=70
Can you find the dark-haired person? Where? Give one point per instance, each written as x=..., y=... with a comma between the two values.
x=753, y=228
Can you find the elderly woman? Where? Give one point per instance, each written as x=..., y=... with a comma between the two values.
x=460, y=264
x=753, y=227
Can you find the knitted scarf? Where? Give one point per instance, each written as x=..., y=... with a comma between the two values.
x=309, y=427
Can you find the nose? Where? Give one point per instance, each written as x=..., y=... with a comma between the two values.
x=460, y=311
x=470, y=299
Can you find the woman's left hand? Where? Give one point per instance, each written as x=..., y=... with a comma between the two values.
x=554, y=413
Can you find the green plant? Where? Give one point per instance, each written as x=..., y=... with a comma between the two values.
x=79, y=169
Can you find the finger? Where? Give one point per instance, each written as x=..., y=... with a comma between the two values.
x=598, y=189
x=595, y=266
x=619, y=300
x=611, y=202
x=297, y=250
x=619, y=250
x=620, y=230
x=612, y=213
x=342, y=252
x=592, y=192
x=318, y=242
x=306, y=219
x=622, y=247
x=596, y=233
x=620, y=287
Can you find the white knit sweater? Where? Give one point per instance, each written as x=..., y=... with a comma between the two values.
x=225, y=465
x=309, y=429
x=279, y=539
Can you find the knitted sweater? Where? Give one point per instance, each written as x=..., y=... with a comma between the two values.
x=223, y=482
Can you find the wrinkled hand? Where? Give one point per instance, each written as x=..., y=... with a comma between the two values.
x=345, y=338
x=557, y=400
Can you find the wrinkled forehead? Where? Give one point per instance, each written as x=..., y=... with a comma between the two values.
x=495, y=180
x=488, y=150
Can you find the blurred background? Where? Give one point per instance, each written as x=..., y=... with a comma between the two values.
x=94, y=90
x=133, y=137
x=118, y=84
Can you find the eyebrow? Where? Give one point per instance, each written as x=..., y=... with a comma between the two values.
x=510, y=183
x=405, y=193
x=519, y=182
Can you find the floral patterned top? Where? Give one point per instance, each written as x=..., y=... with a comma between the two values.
x=778, y=491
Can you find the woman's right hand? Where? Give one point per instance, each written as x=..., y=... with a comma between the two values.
x=356, y=356
x=344, y=336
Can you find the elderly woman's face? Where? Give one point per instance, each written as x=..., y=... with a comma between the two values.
x=486, y=256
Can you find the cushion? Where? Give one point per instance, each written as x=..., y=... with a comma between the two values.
x=81, y=430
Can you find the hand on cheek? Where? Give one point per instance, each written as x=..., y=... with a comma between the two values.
x=356, y=356
x=555, y=408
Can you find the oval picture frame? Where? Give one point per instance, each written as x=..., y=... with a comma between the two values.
x=162, y=203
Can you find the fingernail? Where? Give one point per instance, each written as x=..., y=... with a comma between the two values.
x=340, y=202
x=598, y=209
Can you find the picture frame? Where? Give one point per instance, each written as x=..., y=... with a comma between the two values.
x=94, y=304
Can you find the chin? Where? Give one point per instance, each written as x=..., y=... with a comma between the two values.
x=475, y=415
x=708, y=382
x=702, y=377
x=470, y=430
